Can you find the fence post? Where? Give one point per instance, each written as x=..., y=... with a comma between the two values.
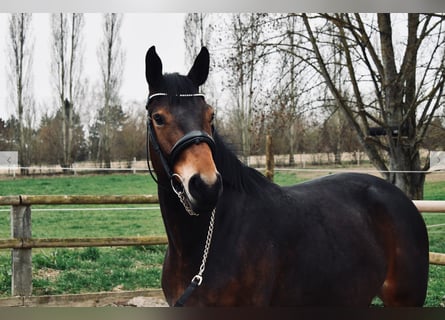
x=21, y=282
x=269, y=158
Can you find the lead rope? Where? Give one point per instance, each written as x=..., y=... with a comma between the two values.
x=197, y=279
x=182, y=196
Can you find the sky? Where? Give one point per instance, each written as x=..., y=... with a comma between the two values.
x=139, y=31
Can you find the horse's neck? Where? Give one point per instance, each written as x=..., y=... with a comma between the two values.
x=235, y=174
x=185, y=233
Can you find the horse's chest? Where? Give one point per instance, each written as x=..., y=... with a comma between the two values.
x=232, y=293
x=227, y=282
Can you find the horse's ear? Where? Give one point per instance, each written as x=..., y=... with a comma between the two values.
x=200, y=69
x=153, y=68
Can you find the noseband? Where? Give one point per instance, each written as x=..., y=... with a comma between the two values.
x=190, y=138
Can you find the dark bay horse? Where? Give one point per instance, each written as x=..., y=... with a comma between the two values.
x=236, y=239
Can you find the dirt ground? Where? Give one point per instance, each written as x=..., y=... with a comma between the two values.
x=141, y=302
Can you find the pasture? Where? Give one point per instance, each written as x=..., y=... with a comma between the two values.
x=84, y=270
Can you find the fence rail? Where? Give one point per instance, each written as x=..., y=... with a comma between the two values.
x=22, y=243
x=77, y=199
x=430, y=205
x=81, y=242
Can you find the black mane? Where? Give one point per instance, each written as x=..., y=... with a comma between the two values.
x=235, y=173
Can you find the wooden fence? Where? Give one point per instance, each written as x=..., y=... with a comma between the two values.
x=22, y=243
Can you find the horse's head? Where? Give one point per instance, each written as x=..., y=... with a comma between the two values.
x=180, y=129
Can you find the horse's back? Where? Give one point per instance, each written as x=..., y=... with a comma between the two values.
x=386, y=218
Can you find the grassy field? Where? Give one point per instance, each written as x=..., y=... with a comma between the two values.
x=82, y=270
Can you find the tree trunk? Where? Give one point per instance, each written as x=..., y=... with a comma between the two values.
x=20, y=63
x=292, y=139
x=270, y=163
x=406, y=173
x=404, y=156
x=110, y=58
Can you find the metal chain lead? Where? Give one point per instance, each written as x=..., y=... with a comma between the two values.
x=198, y=278
x=186, y=203
x=182, y=196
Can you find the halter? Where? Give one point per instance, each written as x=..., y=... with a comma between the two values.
x=192, y=137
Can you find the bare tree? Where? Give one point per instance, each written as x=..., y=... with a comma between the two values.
x=130, y=142
x=289, y=92
x=20, y=76
x=197, y=33
x=395, y=81
x=111, y=58
x=244, y=72
x=67, y=70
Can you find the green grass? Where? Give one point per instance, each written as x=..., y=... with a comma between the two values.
x=93, y=270
x=82, y=270
x=108, y=184
x=434, y=190
x=58, y=221
x=63, y=271
x=436, y=287
x=287, y=178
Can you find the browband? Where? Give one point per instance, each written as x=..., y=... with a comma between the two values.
x=181, y=95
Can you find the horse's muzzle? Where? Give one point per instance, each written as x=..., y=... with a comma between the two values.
x=204, y=195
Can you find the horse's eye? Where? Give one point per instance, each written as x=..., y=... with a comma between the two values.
x=158, y=119
x=212, y=117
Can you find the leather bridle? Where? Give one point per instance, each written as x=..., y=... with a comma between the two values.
x=190, y=138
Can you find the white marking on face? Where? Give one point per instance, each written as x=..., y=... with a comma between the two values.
x=186, y=174
x=197, y=159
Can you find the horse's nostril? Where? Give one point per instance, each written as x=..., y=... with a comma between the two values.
x=203, y=192
x=196, y=183
x=200, y=184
